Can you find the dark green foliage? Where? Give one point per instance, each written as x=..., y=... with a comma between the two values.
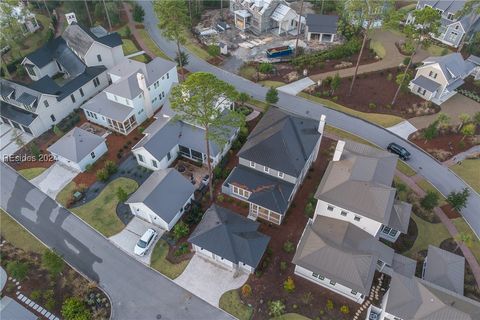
x=75, y=309
x=265, y=67
x=138, y=13
x=17, y=270
x=180, y=230
x=102, y=174
x=289, y=246
x=182, y=249
x=52, y=262
x=185, y=58
x=122, y=195
x=272, y=96
x=458, y=200
x=213, y=50
x=430, y=200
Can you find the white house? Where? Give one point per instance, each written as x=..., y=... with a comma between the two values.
x=321, y=28
x=357, y=188
x=229, y=239
x=78, y=149
x=341, y=257
x=273, y=163
x=136, y=92
x=162, y=198
x=438, y=78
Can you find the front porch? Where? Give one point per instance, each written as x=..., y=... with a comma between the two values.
x=242, y=19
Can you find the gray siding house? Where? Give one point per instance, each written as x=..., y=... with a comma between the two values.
x=321, y=28
x=453, y=27
x=273, y=163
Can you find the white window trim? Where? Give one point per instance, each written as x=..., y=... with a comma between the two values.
x=280, y=174
x=252, y=164
x=266, y=169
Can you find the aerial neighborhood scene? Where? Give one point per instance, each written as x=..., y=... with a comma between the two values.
x=240, y=159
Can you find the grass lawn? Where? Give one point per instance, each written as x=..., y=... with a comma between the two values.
x=18, y=236
x=271, y=84
x=247, y=72
x=347, y=135
x=435, y=50
x=378, y=47
x=259, y=104
x=462, y=226
x=141, y=58
x=428, y=233
x=469, y=171
x=65, y=193
x=383, y=120
x=31, y=173
x=161, y=264
x=405, y=169
x=151, y=45
x=427, y=186
x=230, y=302
x=291, y=316
x=129, y=47
x=196, y=49
x=100, y=213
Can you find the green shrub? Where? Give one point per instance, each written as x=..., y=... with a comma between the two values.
x=111, y=167
x=122, y=195
x=372, y=106
x=17, y=270
x=458, y=200
x=309, y=209
x=272, y=96
x=102, y=174
x=180, y=230
x=276, y=308
x=265, y=67
x=389, y=77
x=52, y=263
x=220, y=198
x=289, y=285
x=283, y=266
x=345, y=309
x=138, y=13
x=347, y=49
x=329, y=305
x=288, y=246
x=213, y=50
x=75, y=309
x=430, y=200
x=182, y=249
x=36, y=295
x=34, y=150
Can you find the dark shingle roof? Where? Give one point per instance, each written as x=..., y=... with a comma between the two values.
x=320, y=23
x=81, y=38
x=230, y=236
x=18, y=115
x=425, y=83
x=266, y=191
x=281, y=141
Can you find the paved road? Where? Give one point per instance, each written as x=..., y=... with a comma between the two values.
x=441, y=177
x=136, y=292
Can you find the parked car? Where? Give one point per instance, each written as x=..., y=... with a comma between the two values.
x=399, y=150
x=145, y=242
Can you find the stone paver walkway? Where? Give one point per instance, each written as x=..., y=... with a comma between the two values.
x=462, y=156
x=392, y=57
x=472, y=261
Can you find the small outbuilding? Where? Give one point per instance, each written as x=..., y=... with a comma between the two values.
x=162, y=198
x=78, y=148
x=321, y=28
x=229, y=239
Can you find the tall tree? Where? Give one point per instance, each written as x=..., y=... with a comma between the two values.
x=472, y=10
x=174, y=22
x=299, y=27
x=88, y=13
x=108, y=16
x=199, y=100
x=364, y=13
x=426, y=22
x=11, y=35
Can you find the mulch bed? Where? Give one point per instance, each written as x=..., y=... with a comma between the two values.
x=444, y=146
x=373, y=93
x=450, y=212
x=69, y=283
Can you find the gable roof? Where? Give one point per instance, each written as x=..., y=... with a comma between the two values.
x=76, y=144
x=452, y=65
x=341, y=252
x=230, y=236
x=416, y=299
x=80, y=39
x=400, y=216
x=281, y=141
x=404, y=265
x=445, y=269
x=164, y=192
x=361, y=182
x=320, y=23
x=452, y=6
x=16, y=114
x=426, y=83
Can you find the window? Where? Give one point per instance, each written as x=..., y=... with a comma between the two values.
x=45, y=102
x=53, y=118
x=72, y=97
x=30, y=69
x=432, y=75
x=241, y=192
x=154, y=163
x=99, y=58
x=168, y=156
x=314, y=275
x=321, y=277
x=450, y=16
x=386, y=229
x=92, y=155
x=96, y=82
x=343, y=213
x=353, y=292
x=332, y=283
x=266, y=169
x=421, y=91
x=252, y=164
x=81, y=92
x=457, y=26
x=357, y=218
x=280, y=174
x=140, y=158
x=329, y=208
x=168, y=76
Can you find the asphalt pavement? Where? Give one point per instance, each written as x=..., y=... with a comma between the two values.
x=136, y=292
x=440, y=176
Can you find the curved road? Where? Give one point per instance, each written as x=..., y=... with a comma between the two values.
x=441, y=177
x=136, y=292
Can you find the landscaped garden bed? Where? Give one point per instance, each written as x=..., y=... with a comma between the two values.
x=373, y=93
x=45, y=278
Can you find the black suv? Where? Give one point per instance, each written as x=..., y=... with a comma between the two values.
x=399, y=150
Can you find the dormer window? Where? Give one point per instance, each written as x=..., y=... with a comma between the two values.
x=280, y=174
x=99, y=58
x=266, y=169
x=45, y=103
x=252, y=164
x=450, y=16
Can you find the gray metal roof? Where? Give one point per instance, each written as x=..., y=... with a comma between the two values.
x=281, y=141
x=474, y=59
x=400, y=216
x=16, y=91
x=342, y=252
x=266, y=191
x=230, y=236
x=451, y=6
x=26, y=99
x=416, y=299
x=361, y=182
x=102, y=105
x=320, y=23
x=18, y=115
x=426, y=83
x=445, y=269
x=12, y=310
x=80, y=39
x=165, y=192
x=452, y=65
x=404, y=265
x=76, y=144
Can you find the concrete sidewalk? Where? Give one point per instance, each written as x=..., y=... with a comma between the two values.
x=403, y=129
x=296, y=87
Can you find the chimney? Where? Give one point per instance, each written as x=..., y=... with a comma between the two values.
x=338, y=150
x=71, y=18
x=146, y=94
x=321, y=126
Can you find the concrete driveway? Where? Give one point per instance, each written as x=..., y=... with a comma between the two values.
x=10, y=138
x=403, y=129
x=208, y=280
x=54, y=179
x=296, y=87
x=128, y=237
